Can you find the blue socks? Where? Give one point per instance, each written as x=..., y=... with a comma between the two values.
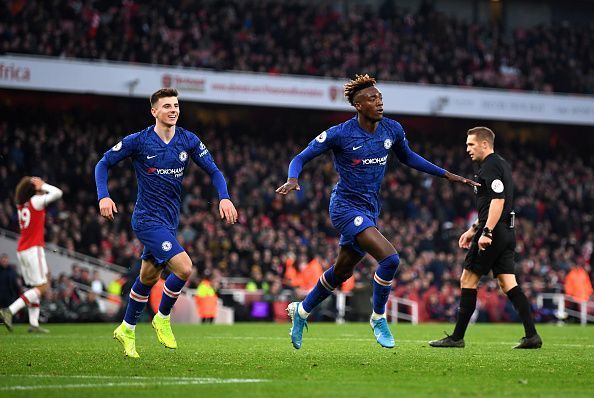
x=382, y=282
x=139, y=295
x=171, y=290
x=324, y=288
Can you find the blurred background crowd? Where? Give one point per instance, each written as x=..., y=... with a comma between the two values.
x=283, y=244
x=334, y=39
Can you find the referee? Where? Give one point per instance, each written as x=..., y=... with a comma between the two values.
x=491, y=241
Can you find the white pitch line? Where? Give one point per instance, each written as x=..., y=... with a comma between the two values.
x=151, y=378
x=148, y=382
x=397, y=340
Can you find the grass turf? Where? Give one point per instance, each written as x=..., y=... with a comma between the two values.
x=335, y=360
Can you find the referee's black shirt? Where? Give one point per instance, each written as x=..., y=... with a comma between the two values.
x=495, y=177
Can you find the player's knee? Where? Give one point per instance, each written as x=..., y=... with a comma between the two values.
x=342, y=274
x=184, y=272
x=468, y=281
x=388, y=266
x=149, y=280
x=42, y=289
x=507, y=283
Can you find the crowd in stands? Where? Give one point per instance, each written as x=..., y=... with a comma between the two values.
x=284, y=244
x=70, y=297
x=305, y=38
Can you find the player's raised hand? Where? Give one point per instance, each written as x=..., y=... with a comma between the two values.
x=451, y=177
x=107, y=208
x=227, y=211
x=290, y=185
x=37, y=183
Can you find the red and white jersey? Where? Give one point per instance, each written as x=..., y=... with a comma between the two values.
x=32, y=218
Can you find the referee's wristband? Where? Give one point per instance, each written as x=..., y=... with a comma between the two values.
x=488, y=233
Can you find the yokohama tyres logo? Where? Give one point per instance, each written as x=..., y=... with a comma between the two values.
x=178, y=172
x=379, y=161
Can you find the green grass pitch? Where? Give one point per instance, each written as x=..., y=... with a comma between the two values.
x=257, y=360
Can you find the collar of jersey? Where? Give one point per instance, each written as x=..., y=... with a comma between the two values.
x=365, y=132
x=154, y=133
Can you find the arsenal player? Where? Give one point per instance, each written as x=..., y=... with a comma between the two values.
x=32, y=196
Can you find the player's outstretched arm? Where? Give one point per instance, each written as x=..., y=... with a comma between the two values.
x=416, y=161
x=123, y=149
x=227, y=211
x=290, y=185
x=315, y=148
x=459, y=179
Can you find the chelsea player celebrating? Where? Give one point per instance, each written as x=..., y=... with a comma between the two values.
x=159, y=155
x=360, y=147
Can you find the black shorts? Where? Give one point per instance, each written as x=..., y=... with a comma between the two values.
x=499, y=257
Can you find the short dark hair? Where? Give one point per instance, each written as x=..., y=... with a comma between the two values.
x=483, y=134
x=162, y=93
x=24, y=191
x=359, y=83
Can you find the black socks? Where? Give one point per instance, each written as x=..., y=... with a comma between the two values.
x=467, y=306
x=520, y=302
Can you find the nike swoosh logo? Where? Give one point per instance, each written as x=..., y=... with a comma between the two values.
x=150, y=157
x=357, y=147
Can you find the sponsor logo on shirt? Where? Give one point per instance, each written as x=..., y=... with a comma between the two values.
x=178, y=172
x=117, y=146
x=373, y=161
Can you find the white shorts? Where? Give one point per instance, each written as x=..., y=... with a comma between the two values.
x=33, y=266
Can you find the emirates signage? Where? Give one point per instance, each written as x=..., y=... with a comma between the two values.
x=103, y=78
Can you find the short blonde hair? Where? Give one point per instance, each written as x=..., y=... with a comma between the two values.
x=483, y=134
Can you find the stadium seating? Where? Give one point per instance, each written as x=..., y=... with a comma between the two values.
x=389, y=42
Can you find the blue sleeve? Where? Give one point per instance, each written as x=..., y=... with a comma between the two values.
x=123, y=149
x=200, y=155
x=101, y=178
x=316, y=147
x=412, y=159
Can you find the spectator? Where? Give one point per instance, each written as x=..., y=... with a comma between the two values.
x=97, y=284
x=10, y=285
x=296, y=37
x=578, y=284
x=206, y=300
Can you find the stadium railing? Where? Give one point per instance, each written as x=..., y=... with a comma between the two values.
x=412, y=315
x=60, y=259
x=581, y=310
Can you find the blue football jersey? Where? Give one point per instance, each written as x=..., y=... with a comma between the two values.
x=360, y=159
x=160, y=169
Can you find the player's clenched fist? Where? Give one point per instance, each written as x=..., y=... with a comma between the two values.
x=107, y=208
x=227, y=211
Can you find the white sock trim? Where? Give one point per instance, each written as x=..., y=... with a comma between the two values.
x=377, y=317
x=163, y=316
x=129, y=326
x=302, y=313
